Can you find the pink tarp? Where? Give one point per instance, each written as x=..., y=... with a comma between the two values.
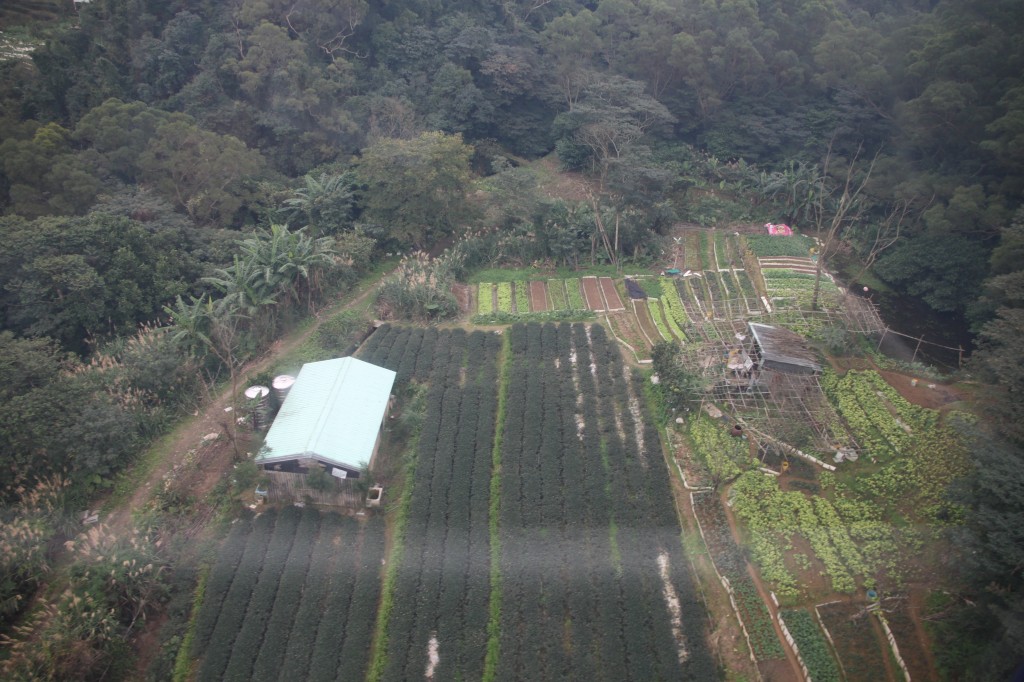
x=773, y=229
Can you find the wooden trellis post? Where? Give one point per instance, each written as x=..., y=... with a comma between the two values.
x=917, y=348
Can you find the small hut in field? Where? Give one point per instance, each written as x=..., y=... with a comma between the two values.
x=331, y=419
x=783, y=350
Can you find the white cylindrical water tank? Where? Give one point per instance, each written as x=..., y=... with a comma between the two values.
x=282, y=384
x=258, y=398
x=257, y=393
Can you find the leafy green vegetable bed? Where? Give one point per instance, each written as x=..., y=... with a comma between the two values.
x=765, y=246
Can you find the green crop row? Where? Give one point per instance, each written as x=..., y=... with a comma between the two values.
x=779, y=514
x=522, y=290
x=556, y=294
x=505, y=297
x=246, y=646
x=563, y=294
x=290, y=608
x=485, y=298
x=572, y=289
x=443, y=582
x=814, y=649
x=236, y=601
x=268, y=662
x=659, y=320
x=729, y=561
x=766, y=246
x=678, y=320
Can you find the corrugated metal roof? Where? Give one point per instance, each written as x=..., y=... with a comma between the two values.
x=782, y=346
x=332, y=413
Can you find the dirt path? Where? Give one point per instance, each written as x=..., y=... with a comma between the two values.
x=915, y=609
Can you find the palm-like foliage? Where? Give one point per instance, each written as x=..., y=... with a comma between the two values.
x=797, y=187
x=243, y=286
x=271, y=264
x=191, y=321
x=324, y=203
x=288, y=262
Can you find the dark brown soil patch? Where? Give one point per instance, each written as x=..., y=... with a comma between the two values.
x=592, y=292
x=921, y=394
x=538, y=296
x=461, y=293
x=611, y=294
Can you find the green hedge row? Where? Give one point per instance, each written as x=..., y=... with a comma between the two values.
x=443, y=582
x=323, y=560
x=814, y=650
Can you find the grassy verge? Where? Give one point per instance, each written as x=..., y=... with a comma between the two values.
x=498, y=317
x=129, y=480
x=379, y=657
x=526, y=274
x=494, y=608
x=184, y=660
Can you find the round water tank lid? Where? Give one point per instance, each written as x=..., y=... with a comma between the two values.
x=254, y=392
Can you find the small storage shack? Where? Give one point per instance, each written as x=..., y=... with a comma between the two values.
x=332, y=419
x=783, y=350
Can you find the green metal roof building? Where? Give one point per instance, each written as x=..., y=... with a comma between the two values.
x=333, y=414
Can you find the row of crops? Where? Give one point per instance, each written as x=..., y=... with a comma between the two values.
x=678, y=307
x=585, y=517
x=442, y=583
x=791, y=288
x=515, y=298
x=408, y=351
x=812, y=645
x=293, y=595
x=706, y=251
x=729, y=561
x=918, y=456
x=538, y=296
x=770, y=246
x=882, y=420
x=775, y=517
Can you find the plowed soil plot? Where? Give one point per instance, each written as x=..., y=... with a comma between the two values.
x=592, y=292
x=908, y=640
x=611, y=294
x=858, y=640
x=626, y=327
x=538, y=297
x=643, y=316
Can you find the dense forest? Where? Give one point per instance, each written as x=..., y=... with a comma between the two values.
x=182, y=180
